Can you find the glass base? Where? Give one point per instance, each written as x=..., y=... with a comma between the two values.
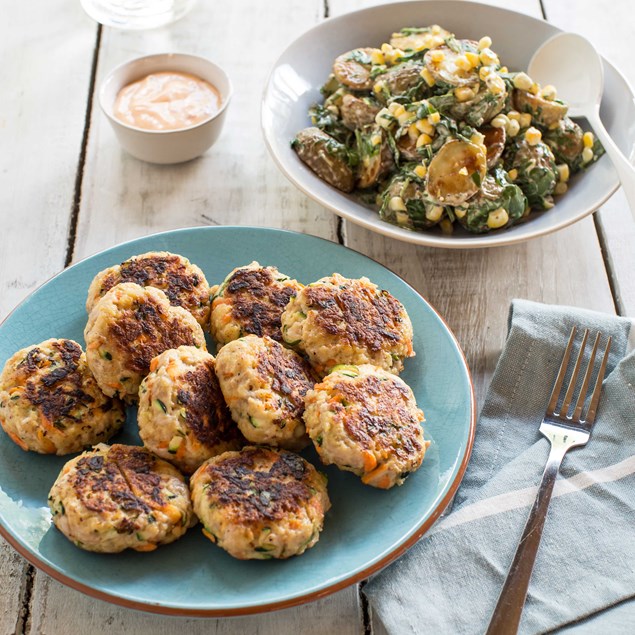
x=136, y=14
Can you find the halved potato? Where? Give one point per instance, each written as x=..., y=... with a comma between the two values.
x=446, y=70
x=456, y=172
x=417, y=39
x=325, y=156
x=357, y=112
x=494, y=140
x=543, y=111
x=353, y=69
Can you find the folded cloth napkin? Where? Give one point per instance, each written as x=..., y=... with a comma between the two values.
x=584, y=576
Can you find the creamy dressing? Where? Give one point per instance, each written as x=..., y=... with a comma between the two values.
x=167, y=101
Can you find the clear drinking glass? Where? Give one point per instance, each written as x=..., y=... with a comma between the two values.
x=136, y=14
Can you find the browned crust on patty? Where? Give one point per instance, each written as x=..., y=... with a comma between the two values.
x=60, y=391
x=357, y=314
x=289, y=376
x=167, y=272
x=102, y=482
x=390, y=424
x=259, y=484
x=207, y=414
x=147, y=330
x=257, y=301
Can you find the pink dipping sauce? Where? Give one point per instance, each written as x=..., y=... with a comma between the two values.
x=167, y=101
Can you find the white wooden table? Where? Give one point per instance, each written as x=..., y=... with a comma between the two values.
x=67, y=191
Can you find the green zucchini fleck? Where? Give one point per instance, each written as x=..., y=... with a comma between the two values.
x=161, y=405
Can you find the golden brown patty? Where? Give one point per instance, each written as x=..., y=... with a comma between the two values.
x=251, y=301
x=127, y=328
x=118, y=497
x=338, y=320
x=365, y=420
x=50, y=402
x=183, y=283
x=260, y=503
x=182, y=415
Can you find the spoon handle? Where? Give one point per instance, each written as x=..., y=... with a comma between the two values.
x=625, y=170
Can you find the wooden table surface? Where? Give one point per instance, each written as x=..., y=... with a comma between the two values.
x=68, y=191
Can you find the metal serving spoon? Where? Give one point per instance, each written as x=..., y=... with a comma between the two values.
x=570, y=62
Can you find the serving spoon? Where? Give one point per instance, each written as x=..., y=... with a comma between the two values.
x=570, y=62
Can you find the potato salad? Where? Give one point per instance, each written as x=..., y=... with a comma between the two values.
x=435, y=131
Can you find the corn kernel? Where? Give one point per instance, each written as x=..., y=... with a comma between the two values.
x=513, y=174
x=484, y=43
x=463, y=93
x=413, y=131
x=554, y=125
x=563, y=172
x=377, y=58
x=436, y=29
x=396, y=204
x=386, y=48
x=446, y=226
x=587, y=155
x=405, y=117
x=484, y=71
x=394, y=56
x=522, y=81
x=477, y=139
x=514, y=114
x=463, y=63
x=334, y=109
x=379, y=87
x=435, y=41
x=382, y=118
x=434, y=118
x=504, y=69
x=433, y=214
x=548, y=203
x=463, y=171
x=560, y=188
x=495, y=83
x=423, y=140
x=437, y=56
x=587, y=139
x=375, y=139
x=427, y=76
x=473, y=59
x=396, y=109
x=402, y=218
x=498, y=218
x=423, y=125
x=535, y=89
x=488, y=57
x=459, y=212
x=513, y=128
x=525, y=120
x=548, y=92
x=533, y=136
x=421, y=171
x=500, y=121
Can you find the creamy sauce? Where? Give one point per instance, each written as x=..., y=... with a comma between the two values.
x=167, y=101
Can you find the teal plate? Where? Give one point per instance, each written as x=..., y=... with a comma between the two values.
x=365, y=528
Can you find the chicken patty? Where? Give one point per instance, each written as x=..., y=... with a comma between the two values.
x=120, y=497
x=365, y=420
x=260, y=503
x=50, y=402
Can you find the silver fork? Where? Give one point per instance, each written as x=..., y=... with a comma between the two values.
x=564, y=431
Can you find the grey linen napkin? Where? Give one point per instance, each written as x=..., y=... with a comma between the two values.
x=584, y=576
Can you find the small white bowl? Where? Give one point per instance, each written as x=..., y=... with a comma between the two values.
x=166, y=146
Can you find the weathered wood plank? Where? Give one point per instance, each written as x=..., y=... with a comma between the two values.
x=610, y=28
x=57, y=609
x=40, y=144
x=235, y=183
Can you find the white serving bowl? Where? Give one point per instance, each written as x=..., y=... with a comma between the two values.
x=166, y=146
x=294, y=84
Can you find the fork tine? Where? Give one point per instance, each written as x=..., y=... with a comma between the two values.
x=574, y=377
x=553, y=400
x=577, y=413
x=595, y=399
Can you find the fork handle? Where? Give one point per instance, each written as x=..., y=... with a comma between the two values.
x=506, y=617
